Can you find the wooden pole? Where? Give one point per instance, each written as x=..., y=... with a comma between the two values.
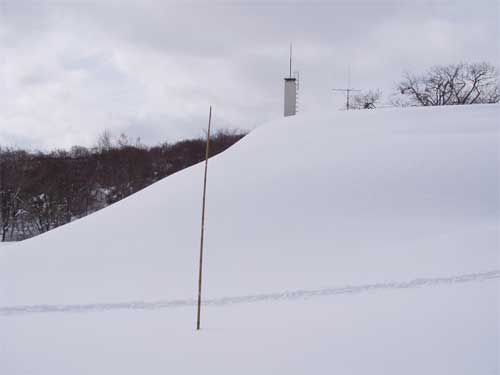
x=203, y=221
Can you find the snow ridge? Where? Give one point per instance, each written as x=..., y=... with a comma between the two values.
x=223, y=301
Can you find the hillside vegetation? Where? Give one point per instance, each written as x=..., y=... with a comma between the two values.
x=40, y=191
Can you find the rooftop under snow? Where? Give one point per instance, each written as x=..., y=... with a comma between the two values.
x=342, y=242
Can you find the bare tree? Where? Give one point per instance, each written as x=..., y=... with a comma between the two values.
x=366, y=100
x=105, y=141
x=470, y=83
x=12, y=167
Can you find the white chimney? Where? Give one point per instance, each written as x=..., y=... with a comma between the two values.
x=290, y=96
x=290, y=92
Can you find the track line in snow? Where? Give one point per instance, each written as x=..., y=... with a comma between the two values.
x=223, y=301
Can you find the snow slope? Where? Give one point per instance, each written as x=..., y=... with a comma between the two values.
x=342, y=241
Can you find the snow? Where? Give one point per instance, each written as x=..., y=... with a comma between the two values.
x=348, y=242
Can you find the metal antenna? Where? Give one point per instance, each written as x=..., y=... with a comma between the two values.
x=290, y=60
x=348, y=90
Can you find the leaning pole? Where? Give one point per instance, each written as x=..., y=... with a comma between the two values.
x=200, y=270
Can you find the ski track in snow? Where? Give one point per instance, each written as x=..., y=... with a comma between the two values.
x=223, y=301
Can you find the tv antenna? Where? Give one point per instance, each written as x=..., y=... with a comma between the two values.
x=347, y=90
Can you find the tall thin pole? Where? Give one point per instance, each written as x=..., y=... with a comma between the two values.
x=348, y=92
x=348, y=86
x=203, y=220
x=290, y=60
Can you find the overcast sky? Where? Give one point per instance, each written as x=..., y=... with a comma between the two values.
x=69, y=70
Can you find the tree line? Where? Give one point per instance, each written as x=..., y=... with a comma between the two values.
x=454, y=84
x=40, y=191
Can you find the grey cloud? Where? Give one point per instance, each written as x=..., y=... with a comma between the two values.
x=69, y=70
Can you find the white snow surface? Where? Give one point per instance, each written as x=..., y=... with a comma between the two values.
x=338, y=242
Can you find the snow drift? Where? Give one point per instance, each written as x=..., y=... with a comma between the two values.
x=312, y=202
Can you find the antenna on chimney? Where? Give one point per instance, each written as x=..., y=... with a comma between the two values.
x=290, y=91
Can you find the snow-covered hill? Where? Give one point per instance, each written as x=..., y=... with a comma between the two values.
x=400, y=207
